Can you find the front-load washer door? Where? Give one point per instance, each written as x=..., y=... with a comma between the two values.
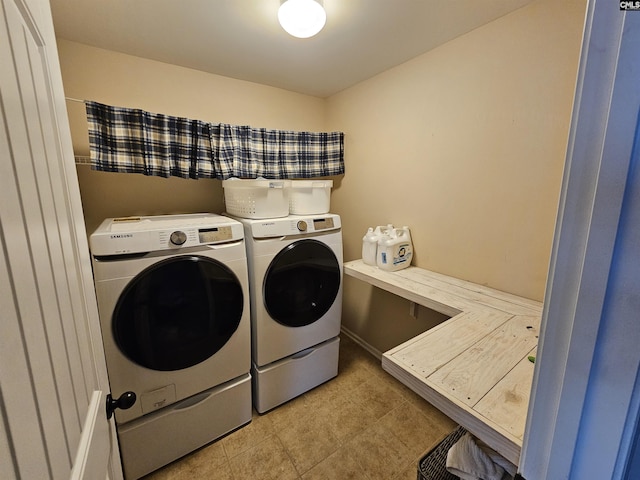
x=177, y=313
x=301, y=283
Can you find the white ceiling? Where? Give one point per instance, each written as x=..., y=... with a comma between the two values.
x=242, y=38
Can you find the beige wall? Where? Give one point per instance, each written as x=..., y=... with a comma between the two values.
x=465, y=145
x=94, y=74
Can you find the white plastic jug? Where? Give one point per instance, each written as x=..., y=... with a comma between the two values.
x=370, y=243
x=369, y=247
x=395, y=250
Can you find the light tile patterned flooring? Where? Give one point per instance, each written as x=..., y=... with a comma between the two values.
x=361, y=425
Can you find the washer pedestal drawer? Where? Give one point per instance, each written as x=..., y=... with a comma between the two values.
x=159, y=438
x=282, y=380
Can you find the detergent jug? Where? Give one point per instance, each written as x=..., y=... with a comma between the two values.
x=395, y=250
x=369, y=247
x=370, y=243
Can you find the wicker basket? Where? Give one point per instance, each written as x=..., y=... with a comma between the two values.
x=433, y=466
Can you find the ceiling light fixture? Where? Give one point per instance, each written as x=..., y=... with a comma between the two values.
x=302, y=18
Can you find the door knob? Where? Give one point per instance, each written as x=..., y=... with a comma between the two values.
x=125, y=401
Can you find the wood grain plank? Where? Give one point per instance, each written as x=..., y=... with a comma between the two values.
x=480, y=289
x=456, y=335
x=488, y=431
x=506, y=404
x=477, y=370
x=440, y=292
x=473, y=292
x=432, y=298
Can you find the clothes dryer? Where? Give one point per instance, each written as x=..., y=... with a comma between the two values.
x=295, y=277
x=173, y=301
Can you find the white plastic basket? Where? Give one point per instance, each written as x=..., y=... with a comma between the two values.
x=310, y=197
x=256, y=198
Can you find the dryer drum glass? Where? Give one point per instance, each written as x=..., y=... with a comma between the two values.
x=301, y=283
x=178, y=312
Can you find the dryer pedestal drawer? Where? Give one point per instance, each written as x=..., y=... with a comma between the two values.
x=159, y=438
x=280, y=381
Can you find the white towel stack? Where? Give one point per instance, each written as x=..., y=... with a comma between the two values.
x=476, y=461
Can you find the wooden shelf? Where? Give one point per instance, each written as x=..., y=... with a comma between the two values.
x=474, y=366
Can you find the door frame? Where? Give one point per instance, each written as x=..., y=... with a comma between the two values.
x=584, y=406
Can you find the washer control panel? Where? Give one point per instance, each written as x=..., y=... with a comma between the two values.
x=322, y=223
x=145, y=234
x=215, y=235
x=178, y=237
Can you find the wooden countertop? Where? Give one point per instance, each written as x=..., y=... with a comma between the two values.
x=474, y=366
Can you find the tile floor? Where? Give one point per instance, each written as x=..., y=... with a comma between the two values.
x=361, y=425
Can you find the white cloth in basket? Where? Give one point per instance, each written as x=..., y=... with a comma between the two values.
x=470, y=462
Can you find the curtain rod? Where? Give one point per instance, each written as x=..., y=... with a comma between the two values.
x=74, y=99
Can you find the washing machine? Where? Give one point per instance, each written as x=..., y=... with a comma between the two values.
x=173, y=300
x=295, y=278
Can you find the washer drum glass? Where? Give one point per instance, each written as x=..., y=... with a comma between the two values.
x=178, y=312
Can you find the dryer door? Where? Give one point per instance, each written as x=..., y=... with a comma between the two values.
x=301, y=283
x=178, y=312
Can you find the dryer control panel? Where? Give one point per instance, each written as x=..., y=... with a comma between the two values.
x=294, y=225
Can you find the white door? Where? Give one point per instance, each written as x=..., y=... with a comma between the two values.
x=53, y=380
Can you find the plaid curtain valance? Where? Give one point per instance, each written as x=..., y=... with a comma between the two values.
x=135, y=141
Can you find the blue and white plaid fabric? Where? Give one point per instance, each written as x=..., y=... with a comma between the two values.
x=135, y=141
